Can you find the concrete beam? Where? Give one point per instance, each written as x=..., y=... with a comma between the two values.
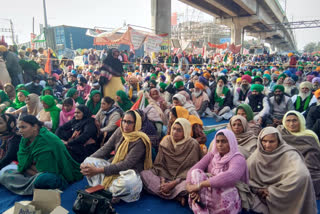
x=161, y=16
x=248, y=5
x=212, y=13
x=276, y=9
x=223, y=7
x=243, y=21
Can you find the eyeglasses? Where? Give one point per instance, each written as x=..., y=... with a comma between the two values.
x=129, y=122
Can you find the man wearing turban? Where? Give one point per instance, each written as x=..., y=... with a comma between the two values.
x=305, y=98
x=221, y=100
x=258, y=102
x=243, y=92
x=290, y=88
x=200, y=98
x=279, y=105
x=313, y=115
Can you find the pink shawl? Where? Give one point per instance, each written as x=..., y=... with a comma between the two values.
x=66, y=116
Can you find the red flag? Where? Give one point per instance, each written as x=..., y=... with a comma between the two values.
x=47, y=67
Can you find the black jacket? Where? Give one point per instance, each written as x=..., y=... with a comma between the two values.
x=227, y=100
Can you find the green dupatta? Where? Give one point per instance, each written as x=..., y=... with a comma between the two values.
x=94, y=109
x=125, y=103
x=53, y=109
x=17, y=104
x=47, y=142
x=219, y=99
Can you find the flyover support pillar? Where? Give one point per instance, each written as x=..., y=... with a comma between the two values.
x=161, y=16
x=236, y=31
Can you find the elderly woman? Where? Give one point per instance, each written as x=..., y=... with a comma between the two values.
x=247, y=140
x=123, y=101
x=132, y=155
x=211, y=183
x=294, y=132
x=10, y=91
x=43, y=161
x=178, y=152
x=50, y=113
x=107, y=117
x=279, y=177
x=80, y=134
x=156, y=96
x=10, y=140
x=180, y=100
x=94, y=102
x=245, y=111
x=74, y=94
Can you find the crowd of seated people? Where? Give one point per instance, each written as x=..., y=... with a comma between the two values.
x=149, y=134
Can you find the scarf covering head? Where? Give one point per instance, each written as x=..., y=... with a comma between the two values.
x=182, y=112
x=246, y=140
x=125, y=103
x=53, y=109
x=4, y=97
x=303, y=131
x=123, y=148
x=17, y=104
x=113, y=65
x=65, y=116
x=284, y=173
x=34, y=105
x=219, y=161
x=94, y=109
x=48, y=88
x=186, y=131
x=182, y=99
x=160, y=99
x=47, y=142
x=72, y=92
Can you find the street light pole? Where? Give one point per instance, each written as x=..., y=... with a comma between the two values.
x=45, y=23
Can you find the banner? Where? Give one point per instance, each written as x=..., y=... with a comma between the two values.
x=137, y=38
x=152, y=43
x=221, y=46
x=234, y=48
x=33, y=36
x=164, y=46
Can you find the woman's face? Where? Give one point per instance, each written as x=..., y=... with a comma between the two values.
x=222, y=144
x=96, y=98
x=172, y=118
x=3, y=125
x=237, y=127
x=26, y=130
x=128, y=123
x=270, y=142
x=242, y=113
x=44, y=105
x=47, y=92
x=78, y=115
x=176, y=103
x=104, y=105
x=177, y=132
x=152, y=85
x=292, y=123
x=75, y=96
x=67, y=107
x=21, y=97
x=154, y=94
x=27, y=100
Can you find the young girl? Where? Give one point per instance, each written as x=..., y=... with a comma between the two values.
x=67, y=113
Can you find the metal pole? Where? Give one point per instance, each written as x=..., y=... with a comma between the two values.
x=12, y=32
x=45, y=23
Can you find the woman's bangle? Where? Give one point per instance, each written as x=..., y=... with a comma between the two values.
x=199, y=186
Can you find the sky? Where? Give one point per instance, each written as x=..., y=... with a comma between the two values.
x=113, y=13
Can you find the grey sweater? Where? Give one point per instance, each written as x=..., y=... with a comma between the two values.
x=133, y=160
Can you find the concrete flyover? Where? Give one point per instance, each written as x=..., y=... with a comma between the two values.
x=252, y=16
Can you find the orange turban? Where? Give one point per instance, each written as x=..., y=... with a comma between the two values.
x=317, y=93
x=206, y=75
x=318, y=68
x=199, y=85
x=277, y=72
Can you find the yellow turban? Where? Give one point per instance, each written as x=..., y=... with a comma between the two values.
x=3, y=48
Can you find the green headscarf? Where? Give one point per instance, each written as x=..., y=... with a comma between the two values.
x=4, y=98
x=48, y=88
x=257, y=87
x=59, y=162
x=20, y=86
x=53, y=109
x=17, y=104
x=94, y=109
x=247, y=109
x=71, y=92
x=126, y=103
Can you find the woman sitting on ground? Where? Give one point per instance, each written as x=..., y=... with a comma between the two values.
x=247, y=140
x=107, y=117
x=294, y=132
x=80, y=134
x=178, y=152
x=279, y=177
x=20, y=99
x=50, y=113
x=67, y=112
x=74, y=94
x=94, y=102
x=33, y=106
x=132, y=152
x=10, y=139
x=245, y=111
x=211, y=183
x=180, y=100
x=43, y=161
x=123, y=100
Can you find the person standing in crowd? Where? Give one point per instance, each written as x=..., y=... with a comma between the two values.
x=13, y=66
